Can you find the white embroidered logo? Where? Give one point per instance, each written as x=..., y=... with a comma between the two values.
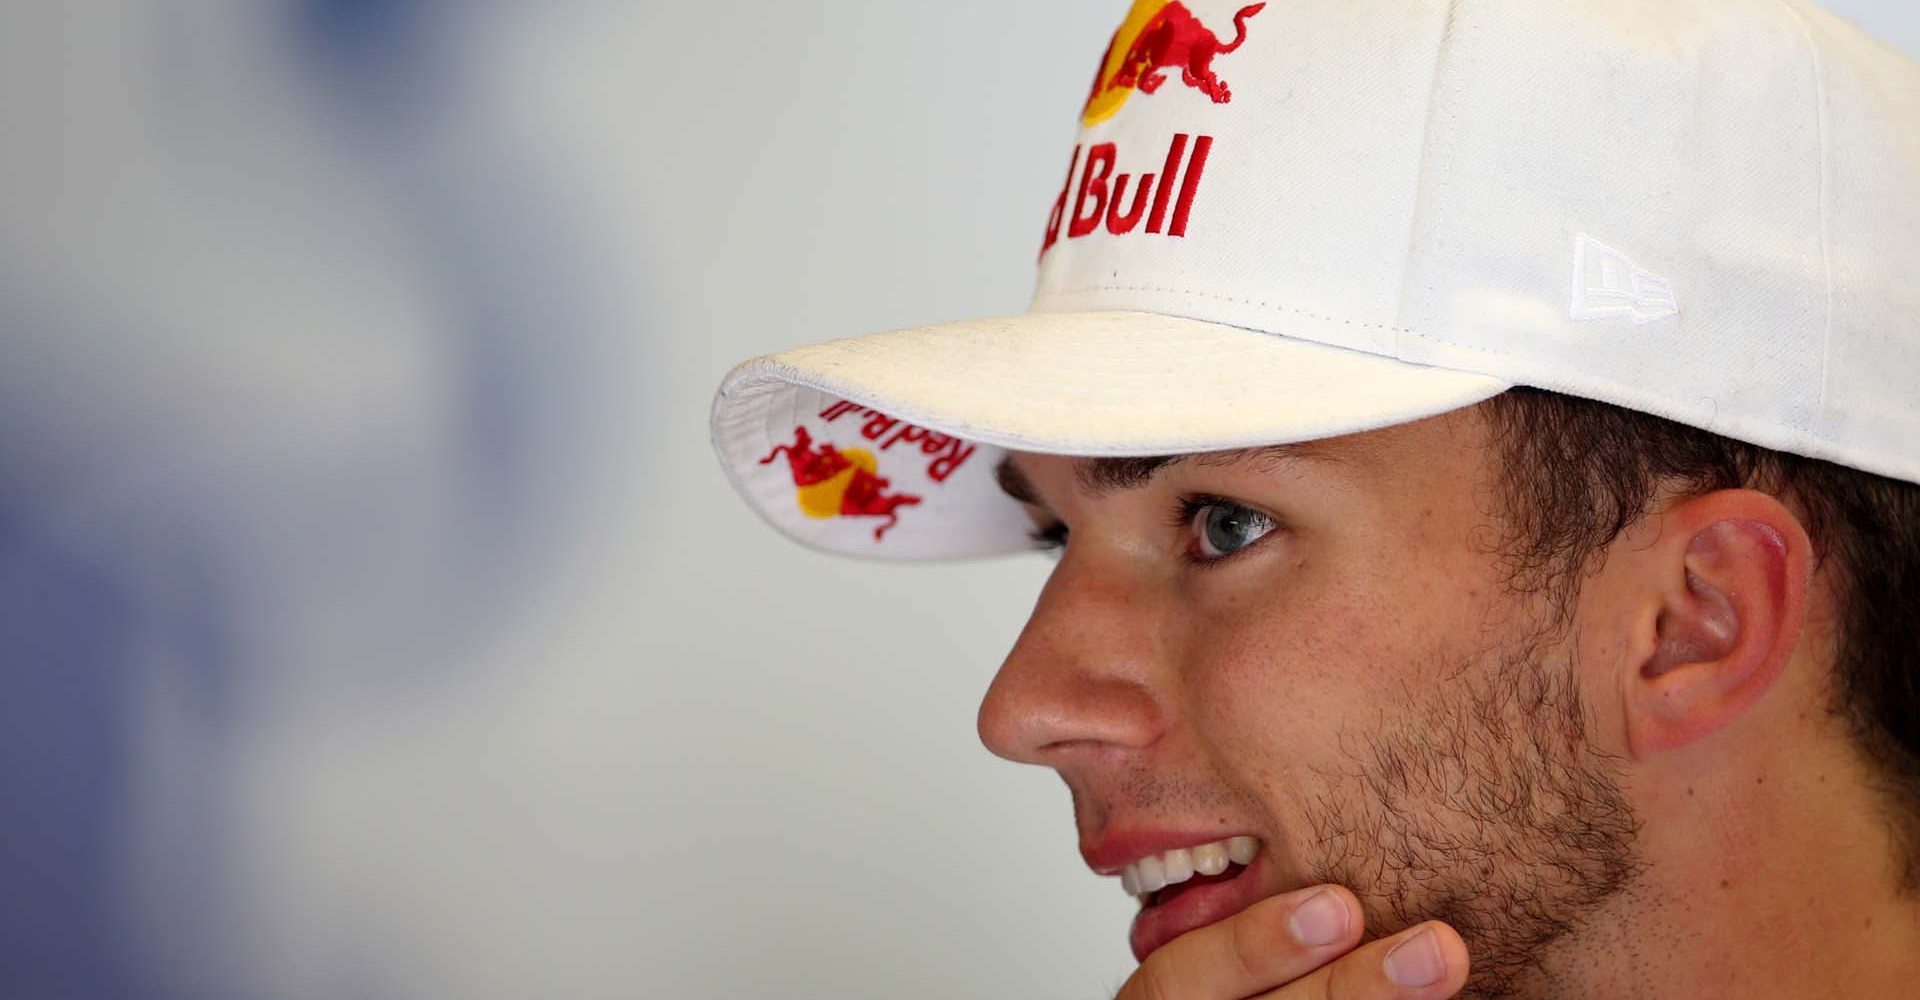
x=1608, y=285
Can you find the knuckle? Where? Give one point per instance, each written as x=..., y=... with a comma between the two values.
x=1355, y=976
x=1262, y=939
x=1264, y=947
x=1318, y=986
x=1248, y=947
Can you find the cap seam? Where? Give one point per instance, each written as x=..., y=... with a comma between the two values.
x=1437, y=151
x=1239, y=300
x=1826, y=240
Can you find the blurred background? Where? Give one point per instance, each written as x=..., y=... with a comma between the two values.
x=374, y=618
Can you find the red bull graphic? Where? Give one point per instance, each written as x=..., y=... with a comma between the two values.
x=811, y=466
x=1102, y=200
x=833, y=482
x=1157, y=37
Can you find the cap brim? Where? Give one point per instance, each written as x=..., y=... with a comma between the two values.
x=825, y=440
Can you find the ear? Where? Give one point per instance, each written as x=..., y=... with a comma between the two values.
x=1726, y=587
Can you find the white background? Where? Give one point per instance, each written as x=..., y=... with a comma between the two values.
x=406, y=339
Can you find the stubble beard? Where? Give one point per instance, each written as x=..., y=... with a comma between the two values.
x=1483, y=806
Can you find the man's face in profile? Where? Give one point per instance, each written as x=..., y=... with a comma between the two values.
x=1321, y=647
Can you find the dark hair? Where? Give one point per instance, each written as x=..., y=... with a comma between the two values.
x=1576, y=473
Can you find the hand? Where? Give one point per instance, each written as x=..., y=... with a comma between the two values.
x=1256, y=955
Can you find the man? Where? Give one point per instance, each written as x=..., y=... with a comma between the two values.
x=1481, y=445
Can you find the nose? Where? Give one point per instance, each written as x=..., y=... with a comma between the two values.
x=1086, y=674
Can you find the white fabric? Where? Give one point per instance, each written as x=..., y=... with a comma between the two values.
x=1702, y=209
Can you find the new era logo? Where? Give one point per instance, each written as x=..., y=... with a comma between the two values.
x=1609, y=285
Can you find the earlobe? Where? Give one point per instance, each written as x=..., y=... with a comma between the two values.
x=1728, y=619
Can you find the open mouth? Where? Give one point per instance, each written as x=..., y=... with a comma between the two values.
x=1189, y=888
x=1159, y=877
x=1170, y=893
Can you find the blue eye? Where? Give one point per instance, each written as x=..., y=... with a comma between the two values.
x=1222, y=528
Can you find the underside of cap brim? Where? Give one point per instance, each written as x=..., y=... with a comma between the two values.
x=825, y=441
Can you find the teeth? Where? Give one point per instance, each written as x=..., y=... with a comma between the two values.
x=1179, y=862
x=1155, y=872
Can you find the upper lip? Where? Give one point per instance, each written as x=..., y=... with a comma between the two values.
x=1119, y=848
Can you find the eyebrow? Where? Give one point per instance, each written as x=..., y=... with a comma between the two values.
x=1100, y=477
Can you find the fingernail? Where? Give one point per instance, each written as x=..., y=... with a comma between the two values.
x=1416, y=961
x=1322, y=919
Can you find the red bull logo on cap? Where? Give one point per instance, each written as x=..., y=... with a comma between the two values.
x=1158, y=38
x=830, y=481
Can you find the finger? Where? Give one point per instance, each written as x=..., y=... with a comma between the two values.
x=1272, y=942
x=1424, y=962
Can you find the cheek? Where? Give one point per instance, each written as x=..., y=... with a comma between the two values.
x=1272, y=682
x=1269, y=680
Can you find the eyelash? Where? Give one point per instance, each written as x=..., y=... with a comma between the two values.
x=1050, y=538
x=1053, y=537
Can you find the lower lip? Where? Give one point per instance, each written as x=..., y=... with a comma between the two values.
x=1154, y=926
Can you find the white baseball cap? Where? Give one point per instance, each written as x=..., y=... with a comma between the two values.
x=1303, y=218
